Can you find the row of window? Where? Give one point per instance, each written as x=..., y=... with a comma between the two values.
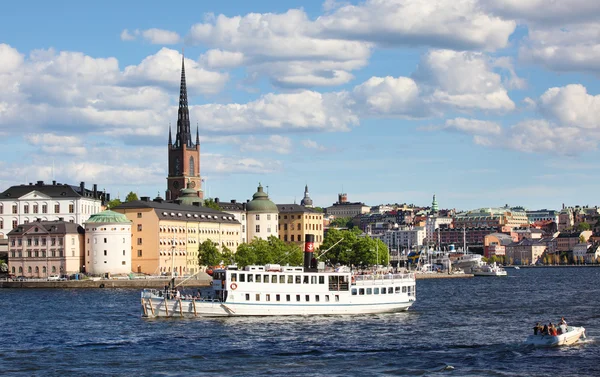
x=288, y=298
x=105, y=240
x=37, y=270
x=38, y=241
x=383, y=290
x=299, y=226
x=258, y=217
x=306, y=217
x=35, y=208
x=299, y=239
x=285, y=278
x=105, y=253
x=36, y=253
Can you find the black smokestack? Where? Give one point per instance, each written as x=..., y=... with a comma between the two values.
x=309, y=248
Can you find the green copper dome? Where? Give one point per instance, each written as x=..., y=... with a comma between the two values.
x=189, y=196
x=260, y=202
x=108, y=217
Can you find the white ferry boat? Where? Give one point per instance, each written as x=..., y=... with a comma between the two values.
x=275, y=290
x=489, y=270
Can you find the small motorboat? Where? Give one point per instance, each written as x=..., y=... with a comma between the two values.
x=571, y=336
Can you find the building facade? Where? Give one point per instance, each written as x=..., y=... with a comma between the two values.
x=108, y=244
x=504, y=218
x=432, y=224
x=343, y=208
x=184, y=154
x=166, y=236
x=42, y=248
x=403, y=238
x=48, y=202
x=296, y=221
x=262, y=216
x=527, y=251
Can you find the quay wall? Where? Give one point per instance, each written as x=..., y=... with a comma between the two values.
x=107, y=283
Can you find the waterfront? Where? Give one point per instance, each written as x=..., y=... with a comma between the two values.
x=475, y=325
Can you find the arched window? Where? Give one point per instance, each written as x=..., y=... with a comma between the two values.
x=37, y=270
x=44, y=269
x=192, y=166
x=20, y=270
x=53, y=269
x=29, y=269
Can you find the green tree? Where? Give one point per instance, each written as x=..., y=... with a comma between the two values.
x=228, y=255
x=352, y=249
x=583, y=226
x=341, y=222
x=318, y=209
x=114, y=203
x=493, y=259
x=581, y=239
x=209, y=254
x=132, y=196
x=272, y=250
x=210, y=203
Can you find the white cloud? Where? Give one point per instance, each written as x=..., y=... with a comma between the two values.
x=283, y=47
x=571, y=106
x=437, y=23
x=223, y=165
x=389, y=96
x=541, y=136
x=544, y=11
x=160, y=36
x=57, y=145
x=10, y=59
x=311, y=144
x=472, y=126
x=274, y=143
x=127, y=36
x=216, y=59
x=464, y=80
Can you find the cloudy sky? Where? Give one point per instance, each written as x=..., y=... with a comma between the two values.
x=482, y=102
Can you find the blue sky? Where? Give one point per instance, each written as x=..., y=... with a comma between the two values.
x=481, y=102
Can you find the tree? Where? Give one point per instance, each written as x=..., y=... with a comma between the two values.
x=228, y=255
x=132, y=196
x=352, y=249
x=583, y=226
x=114, y=203
x=341, y=222
x=318, y=209
x=210, y=203
x=209, y=254
x=272, y=250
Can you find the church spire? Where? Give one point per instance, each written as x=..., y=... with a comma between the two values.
x=184, y=137
x=197, y=135
x=170, y=138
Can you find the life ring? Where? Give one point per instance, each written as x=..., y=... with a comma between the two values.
x=102, y=285
x=233, y=286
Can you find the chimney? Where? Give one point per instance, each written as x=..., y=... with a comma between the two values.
x=145, y=198
x=53, y=183
x=177, y=201
x=82, y=188
x=30, y=184
x=233, y=201
x=40, y=183
x=217, y=200
x=95, y=191
x=107, y=198
x=309, y=248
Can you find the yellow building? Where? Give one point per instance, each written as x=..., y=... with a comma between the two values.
x=295, y=221
x=166, y=235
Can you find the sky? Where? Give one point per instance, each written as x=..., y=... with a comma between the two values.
x=481, y=102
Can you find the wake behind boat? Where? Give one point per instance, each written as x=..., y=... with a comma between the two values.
x=283, y=290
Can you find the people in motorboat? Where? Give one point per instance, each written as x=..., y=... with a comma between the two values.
x=545, y=330
x=562, y=321
x=537, y=329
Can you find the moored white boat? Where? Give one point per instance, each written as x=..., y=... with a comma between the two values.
x=489, y=270
x=281, y=290
x=571, y=336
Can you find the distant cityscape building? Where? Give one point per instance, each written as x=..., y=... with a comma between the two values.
x=184, y=155
x=238, y=210
x=263, y=216
x=39, y=249
x=542, y=215
x=306, y=201
x=504, y=218
x=434, y=206
x=108, y=244
x=23, y=204
x=403, y=238
x=432, y=224
x=343, y=208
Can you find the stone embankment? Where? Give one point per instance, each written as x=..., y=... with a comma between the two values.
x=200, y=281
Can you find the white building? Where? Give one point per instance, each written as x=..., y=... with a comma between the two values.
x=238, y=210
x=432, y=224
x=48, y=202
x=108, y=244
x=404, y=238
x=262, y=216
x=580, y=252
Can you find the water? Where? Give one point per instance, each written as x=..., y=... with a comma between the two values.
x=457, y=327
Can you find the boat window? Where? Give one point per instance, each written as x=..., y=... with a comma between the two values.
x=321, y=279
x=258, y=278
x=267, y=297
x=337, y=298
x=317, y=298
x=383, y=290
x=326, y=298
x=265, y=278
x=397, y=290
x=288, y=298
x=233, y=277
x=258, y=297
x=354, y=291
x=290, y=279
x=305, y=279
x=298, y=279
x=247, y=296
x=250, y=278
x=281, y=279
x=313, y=280
x=297, y=297
x=278, y=298
x=376, y=291
x=242, y=278
x=307, y=297
x=361, y=291
x=390, y=290
x=369, y=291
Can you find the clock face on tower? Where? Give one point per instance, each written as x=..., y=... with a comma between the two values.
x=193, y=184
x=177, y=166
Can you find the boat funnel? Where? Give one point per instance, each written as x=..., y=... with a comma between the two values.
x=309, y=252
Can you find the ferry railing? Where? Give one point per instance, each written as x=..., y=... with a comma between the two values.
x=382, y=278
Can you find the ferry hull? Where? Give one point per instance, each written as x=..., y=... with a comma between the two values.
x=158, y=307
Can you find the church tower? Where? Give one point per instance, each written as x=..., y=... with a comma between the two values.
x=184, y=155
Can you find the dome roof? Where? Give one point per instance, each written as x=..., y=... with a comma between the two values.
x=189, y=196
x=108, y=217
x=260, y=202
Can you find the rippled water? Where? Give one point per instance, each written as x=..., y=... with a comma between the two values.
x=457, y=327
